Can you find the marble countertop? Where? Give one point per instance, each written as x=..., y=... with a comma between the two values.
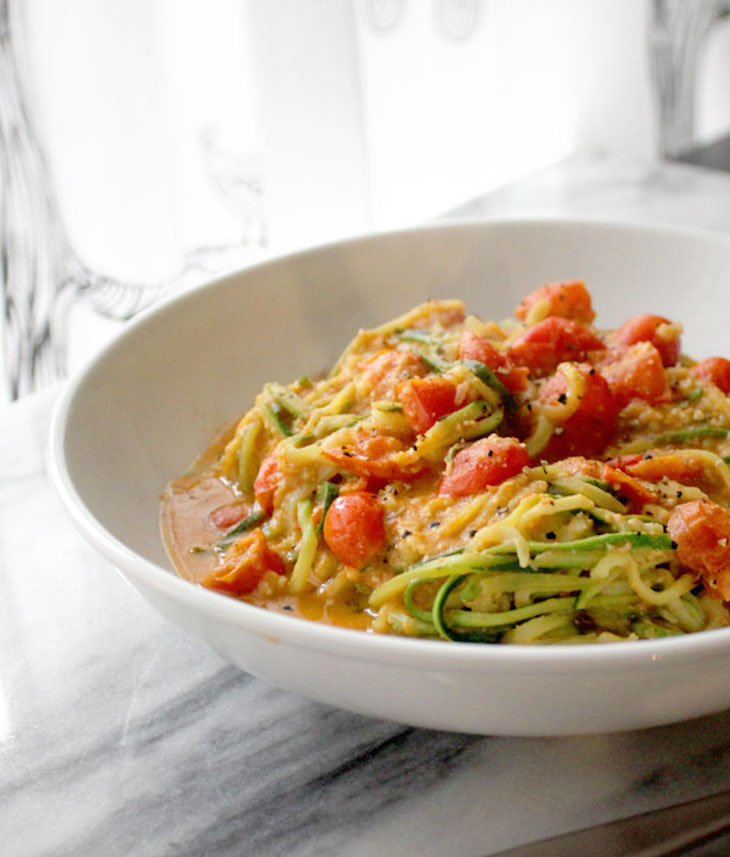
x=614, y=189
x=120, y=735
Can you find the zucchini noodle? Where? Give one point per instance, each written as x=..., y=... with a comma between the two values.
x=559, y=412
x=307, y=547
x=539, y=310
x=540, y=437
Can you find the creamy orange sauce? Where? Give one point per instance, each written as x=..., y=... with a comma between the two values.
x=191, y=538
x=189, y=535
x=318, y=607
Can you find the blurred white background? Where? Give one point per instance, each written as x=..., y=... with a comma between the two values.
x=235, y=129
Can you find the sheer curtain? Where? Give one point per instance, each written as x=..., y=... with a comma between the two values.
x=175, y=139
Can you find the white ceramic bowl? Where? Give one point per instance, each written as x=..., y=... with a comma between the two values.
x=143, y=410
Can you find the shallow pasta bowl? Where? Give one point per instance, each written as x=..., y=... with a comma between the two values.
x=145, y=408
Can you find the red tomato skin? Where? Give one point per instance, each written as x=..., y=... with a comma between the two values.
x=370, y=457
x=552, y=341
x=266, y=483
x=646, y=328
x=426, y=400
x=591, y=427
x=701, y=531
x=386, y=369
x=715, y=370
x=567, y=300
x=655, y=467
x=681, y=466
x=354, y=528
x=489, y=461
x=637, y=373
x=473, y=347
x=626, y=463
x=370, y=484
x=246, y=562
x=628, y=489
x=226, y=516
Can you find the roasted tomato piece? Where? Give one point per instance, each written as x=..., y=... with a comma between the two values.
x=591, y=426
x=426, y=400
x=487, y=462
x=627, y=489
x=386, y=369
x=246, y=562
x=687, y=466
x=566, y=300
x=625, y=463
x=679, y=465
x=662, y=333
x=354, y=528
x=372, y=456
x=371, y=484
x=228, y=515
x=637, y=373
x=473, y=347
x=701, y=530
x=552, y=341
x=715, y=370
x=266, y=483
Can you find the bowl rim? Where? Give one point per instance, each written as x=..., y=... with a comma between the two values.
x=404, y=652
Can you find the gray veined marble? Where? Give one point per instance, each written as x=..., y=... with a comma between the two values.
x=120, y=735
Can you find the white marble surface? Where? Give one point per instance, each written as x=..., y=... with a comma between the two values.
x=621, y=189
x=120, y=735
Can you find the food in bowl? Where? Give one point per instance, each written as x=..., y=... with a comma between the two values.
x=533, y=480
